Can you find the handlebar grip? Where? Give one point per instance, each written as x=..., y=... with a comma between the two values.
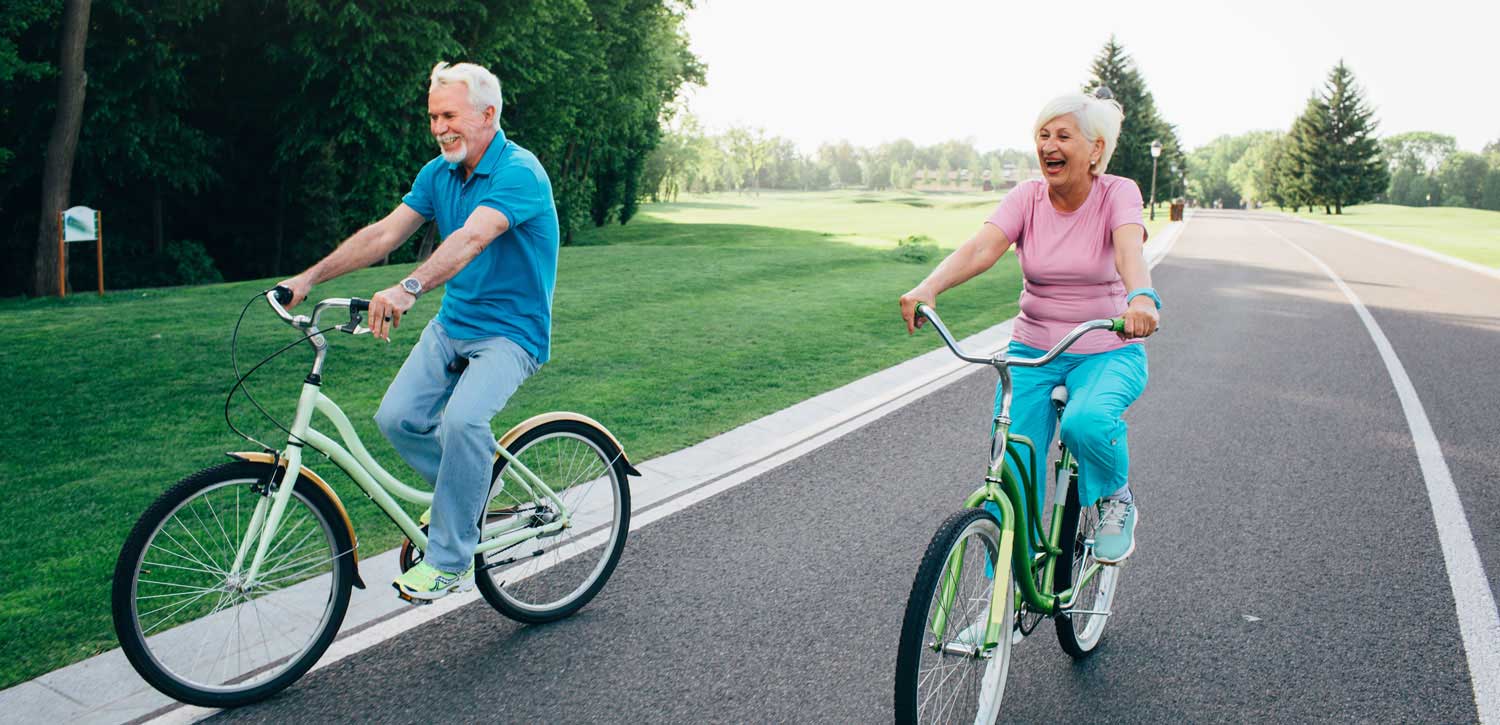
x=358, y=305
x=1117, y=324
x=283, y=295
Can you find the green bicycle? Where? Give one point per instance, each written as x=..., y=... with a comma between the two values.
x=236, y=580
x=986, y=582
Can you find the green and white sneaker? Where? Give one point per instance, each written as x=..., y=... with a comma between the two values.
x=1114, y=537
x=424, y=583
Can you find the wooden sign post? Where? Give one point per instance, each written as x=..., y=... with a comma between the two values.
x=79, y=224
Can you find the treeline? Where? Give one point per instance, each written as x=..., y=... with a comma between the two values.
x=746, y=159
x=246, y=138
x=1330, y=158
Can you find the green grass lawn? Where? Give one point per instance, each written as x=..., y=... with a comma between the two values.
x=1469, y=234
x=697, y=317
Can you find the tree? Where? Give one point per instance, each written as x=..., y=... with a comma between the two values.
x=753, y=149
x=1347, y=166
x=1296, y=183
x=1247, y=174
x=1112, y=67
x=1462, y=178
x=1422, y=151
x=57, y=176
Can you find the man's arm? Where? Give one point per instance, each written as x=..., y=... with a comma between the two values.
x=482, y=227
x=361, y=250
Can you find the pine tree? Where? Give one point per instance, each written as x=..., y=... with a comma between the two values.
x=1297, y=174
x=1348, y=168
x=1142, y=125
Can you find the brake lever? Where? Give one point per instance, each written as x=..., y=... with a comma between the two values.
x=353, y=326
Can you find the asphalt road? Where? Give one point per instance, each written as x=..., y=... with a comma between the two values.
x=1288, y=566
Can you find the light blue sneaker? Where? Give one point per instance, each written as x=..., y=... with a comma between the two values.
x=1114, y=537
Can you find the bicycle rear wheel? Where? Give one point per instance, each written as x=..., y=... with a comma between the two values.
x=551, y=577
x=1079, y=634
x=197, y=631
x=948, y=675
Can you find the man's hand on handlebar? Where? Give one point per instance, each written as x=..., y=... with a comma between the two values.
x=300, y=287
x=386, y=309
x=909, y=303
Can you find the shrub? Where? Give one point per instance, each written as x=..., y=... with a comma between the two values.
x=916, y=249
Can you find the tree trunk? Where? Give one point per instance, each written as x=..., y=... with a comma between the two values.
x=278, y=225
x=158, y=233
x=425, y=250
x=57, y=173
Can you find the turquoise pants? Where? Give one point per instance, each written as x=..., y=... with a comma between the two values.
x=1100, y=387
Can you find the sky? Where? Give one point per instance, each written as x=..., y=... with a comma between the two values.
x=933, y=70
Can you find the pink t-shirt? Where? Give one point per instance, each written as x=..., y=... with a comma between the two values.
x=1068, y=260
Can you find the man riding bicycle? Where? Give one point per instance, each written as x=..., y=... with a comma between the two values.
x=492, y=203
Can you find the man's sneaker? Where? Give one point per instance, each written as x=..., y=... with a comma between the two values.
x=1114, y=537
x=425, y=582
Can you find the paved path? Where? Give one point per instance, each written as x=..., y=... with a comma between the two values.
x=1290, y=567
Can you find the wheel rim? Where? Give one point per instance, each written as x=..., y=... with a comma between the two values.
x=584, y=477
x=953, y=686
x=202, y=628
x=1099, y=594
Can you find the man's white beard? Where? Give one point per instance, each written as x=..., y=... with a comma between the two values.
x=457, y=155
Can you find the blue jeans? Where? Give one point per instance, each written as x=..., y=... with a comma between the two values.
x=1100, y=387
x=439, y=423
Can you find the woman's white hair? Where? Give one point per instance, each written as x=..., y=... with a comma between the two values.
x=1097, y=118
x=484, y=87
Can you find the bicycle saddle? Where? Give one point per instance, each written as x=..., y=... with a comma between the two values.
x=1060, y=396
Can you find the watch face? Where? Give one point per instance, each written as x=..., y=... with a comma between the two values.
x=411, y=285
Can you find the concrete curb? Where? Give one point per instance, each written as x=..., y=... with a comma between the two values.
x=105, y=689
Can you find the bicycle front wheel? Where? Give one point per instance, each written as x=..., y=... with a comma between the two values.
x=554, y=575
x=1079, y=633
x=189, y=621
x=944, y=670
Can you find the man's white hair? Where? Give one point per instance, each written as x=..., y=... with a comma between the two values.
x=1097, y=118
x=484, y=87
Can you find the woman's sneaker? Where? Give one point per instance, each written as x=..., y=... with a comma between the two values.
x=424, y=582
x=1114, y=537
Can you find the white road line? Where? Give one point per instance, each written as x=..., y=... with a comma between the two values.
x=1478, y=619
x=1430, y=254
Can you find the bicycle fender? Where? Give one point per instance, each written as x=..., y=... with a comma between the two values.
x=536, y=420
x=263, y=457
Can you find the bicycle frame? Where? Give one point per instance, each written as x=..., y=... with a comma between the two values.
x=378, y=484
x=1031, y=553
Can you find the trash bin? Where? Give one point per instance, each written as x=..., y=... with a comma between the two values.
x=1176, y=211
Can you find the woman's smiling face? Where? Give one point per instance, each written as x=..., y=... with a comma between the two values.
x=1065, y=154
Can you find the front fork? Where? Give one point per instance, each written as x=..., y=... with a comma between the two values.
x=269, y=509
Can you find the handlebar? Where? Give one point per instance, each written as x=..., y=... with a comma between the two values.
x=278, y=296
x=1000, y=359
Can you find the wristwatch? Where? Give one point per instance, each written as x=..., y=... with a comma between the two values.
x=413, y=286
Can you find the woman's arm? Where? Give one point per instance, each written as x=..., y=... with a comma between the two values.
x=1141, y=317
x=978, y=254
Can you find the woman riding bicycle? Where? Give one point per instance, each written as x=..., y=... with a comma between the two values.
x=1078, y=235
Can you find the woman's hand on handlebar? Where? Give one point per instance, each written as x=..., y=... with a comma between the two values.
x=909, y=303
x=386, y=309
x=1141, y=318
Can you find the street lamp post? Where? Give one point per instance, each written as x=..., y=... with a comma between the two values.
x=1155, y=153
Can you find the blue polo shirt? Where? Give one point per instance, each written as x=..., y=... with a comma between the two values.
x=506, y=291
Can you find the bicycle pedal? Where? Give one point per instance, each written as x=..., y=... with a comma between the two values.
x=403, y=596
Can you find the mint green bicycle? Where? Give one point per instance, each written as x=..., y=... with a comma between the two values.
x=236, y=580
x=986, y=582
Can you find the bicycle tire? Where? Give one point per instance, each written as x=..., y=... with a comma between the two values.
x=587, y=471
x=315, y=569
x=1080, y=635
x=981, y=688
